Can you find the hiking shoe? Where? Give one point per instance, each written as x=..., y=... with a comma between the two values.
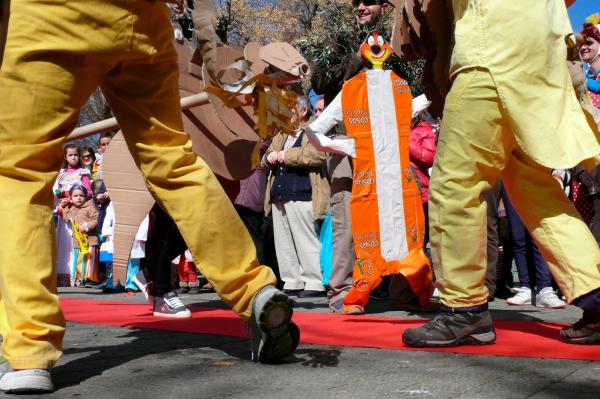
x=24, y=381
x=453, y=329
x=338, y=307
x=169, y=305
x=547, y=298
x=274, y=334
x=585, y=332
x=522, y=297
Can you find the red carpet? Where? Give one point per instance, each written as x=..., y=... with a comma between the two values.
x=514, y=338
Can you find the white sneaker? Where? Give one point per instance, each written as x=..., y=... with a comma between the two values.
x=22, y=381
x=547, y=298
x=523, y=297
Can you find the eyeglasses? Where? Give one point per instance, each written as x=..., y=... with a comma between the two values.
x=86, y=156
x=366, y=3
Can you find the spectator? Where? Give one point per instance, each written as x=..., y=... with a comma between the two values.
x=188, y=277
x=297, y=194
x=82, y=215
x=88, y=160
x=71, y=173
x=102, y=146
x=522, y=246
x=590, y=54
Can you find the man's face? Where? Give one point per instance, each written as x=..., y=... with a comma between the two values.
x=368, y=12
x=103, y=144
x=319, y=106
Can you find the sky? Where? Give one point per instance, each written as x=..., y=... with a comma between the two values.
x=579, y=11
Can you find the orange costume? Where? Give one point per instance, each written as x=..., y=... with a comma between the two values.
x=385, y=207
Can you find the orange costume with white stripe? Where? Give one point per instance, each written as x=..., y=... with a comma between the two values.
x=385, y=207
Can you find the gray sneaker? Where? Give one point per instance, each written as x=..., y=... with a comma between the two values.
x=24, y=381
x=453, y=329
x=169, y=305
x=273, y=328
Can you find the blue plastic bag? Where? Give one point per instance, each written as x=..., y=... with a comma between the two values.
x=326, y=255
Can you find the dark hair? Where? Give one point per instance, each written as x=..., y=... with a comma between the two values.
x=67, y=147
x=80, y=188
x=106, y=135
x=89, y=149
x=590, y=30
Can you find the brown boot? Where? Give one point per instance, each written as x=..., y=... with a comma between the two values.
x=585, y=332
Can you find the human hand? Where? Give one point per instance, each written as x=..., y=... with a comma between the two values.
x=64, y=202
x=272, y=158
x=281, y=156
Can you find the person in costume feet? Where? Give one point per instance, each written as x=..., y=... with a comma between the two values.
x=49, y=72
x=511, y=111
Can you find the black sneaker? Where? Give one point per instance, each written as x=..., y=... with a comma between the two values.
x=275, y=336
x=169, y=305
x=453, y=329
x=585, y=332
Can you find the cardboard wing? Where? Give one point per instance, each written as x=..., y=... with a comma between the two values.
x=130, y=198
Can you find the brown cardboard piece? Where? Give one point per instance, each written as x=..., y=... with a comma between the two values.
x=224, y=138
x=130, y=198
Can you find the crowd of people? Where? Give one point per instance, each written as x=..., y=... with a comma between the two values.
x=278, y=217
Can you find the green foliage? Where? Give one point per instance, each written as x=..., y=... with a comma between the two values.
x=334, y=36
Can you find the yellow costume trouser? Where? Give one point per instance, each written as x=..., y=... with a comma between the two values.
x=476, y=147
x=55, y=55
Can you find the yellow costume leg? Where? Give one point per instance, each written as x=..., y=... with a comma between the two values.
x=565, y=241
x=143, y=93
x=45, y=77
x=473, y=147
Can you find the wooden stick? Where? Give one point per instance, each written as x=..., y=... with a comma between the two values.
x=107, y=125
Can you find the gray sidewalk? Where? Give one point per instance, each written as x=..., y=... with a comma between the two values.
x=113, y=362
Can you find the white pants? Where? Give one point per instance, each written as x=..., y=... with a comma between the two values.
x=297, y=245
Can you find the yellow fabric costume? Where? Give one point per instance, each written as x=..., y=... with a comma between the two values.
x=511, y=113
x=55, y=55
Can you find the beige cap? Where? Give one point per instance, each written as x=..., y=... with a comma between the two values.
x=284, y=56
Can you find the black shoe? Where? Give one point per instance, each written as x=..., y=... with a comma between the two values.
x=311, y=294
x=453, y=329
x=585, y=332
x=292, y=292
x=100, y=286
x=193, y=290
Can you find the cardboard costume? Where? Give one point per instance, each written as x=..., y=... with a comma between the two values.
x=385, y=206
x=224, y=132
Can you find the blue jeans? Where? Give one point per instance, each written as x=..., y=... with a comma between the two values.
x=522, y=243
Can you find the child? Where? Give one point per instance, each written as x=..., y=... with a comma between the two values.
x=137, y=253
x=188, y=277
x=83, y=216
x=71, y=173
x=107, y=248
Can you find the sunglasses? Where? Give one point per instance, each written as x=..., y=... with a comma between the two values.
x=367, y=3
x=86, y=156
